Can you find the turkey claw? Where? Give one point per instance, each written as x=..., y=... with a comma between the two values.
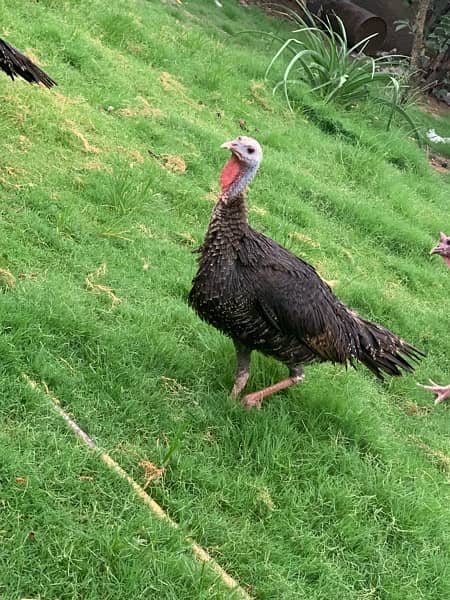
x=442, y=392
x=252, y=400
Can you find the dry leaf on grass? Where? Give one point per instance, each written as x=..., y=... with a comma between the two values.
x=174, y=163
x=151, y=472
x=21, y=480
x=86, y=478
x=170, y=162
x=7, y=279
x=265, y=498
x=77, y=133
x=101, y=289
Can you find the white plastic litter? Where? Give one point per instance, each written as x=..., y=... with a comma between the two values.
x=437, y=139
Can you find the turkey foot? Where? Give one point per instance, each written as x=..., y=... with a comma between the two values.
x=442, y=392
x=255, y=399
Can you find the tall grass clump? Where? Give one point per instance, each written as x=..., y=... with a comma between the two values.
x=321, y=58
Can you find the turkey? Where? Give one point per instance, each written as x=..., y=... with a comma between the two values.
x=267, y=299
x=442, y=392
x=14, y=64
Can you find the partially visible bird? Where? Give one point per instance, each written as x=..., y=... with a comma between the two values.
x=442, y=392
x=265, y=298
x=443, y=248
x=15, y=64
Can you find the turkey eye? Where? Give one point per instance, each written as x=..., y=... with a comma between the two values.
x=447, y=242
x=250, y=150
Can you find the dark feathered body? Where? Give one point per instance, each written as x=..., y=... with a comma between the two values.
x=267, y=299
x=16, y=64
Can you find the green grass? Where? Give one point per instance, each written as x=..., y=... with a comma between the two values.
x=337, y=488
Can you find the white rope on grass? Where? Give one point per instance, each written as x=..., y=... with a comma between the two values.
x=156, y=509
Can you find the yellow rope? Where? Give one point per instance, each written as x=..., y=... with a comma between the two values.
x=156, y=509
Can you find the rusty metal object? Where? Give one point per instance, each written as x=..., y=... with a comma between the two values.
x=359, y=23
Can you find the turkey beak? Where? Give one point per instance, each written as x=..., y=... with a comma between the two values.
x=436, y=250
x=228, y=145
x=234, y=146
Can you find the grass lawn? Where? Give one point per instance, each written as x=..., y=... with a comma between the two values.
x=338, y=488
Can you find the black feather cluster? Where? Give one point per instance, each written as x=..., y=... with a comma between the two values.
x=16, y=64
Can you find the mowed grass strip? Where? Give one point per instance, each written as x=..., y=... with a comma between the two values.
x=336, y=488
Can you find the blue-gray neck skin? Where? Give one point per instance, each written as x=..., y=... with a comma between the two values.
x=240, y=183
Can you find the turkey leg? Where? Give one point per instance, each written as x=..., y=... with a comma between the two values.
x=242, y=369
x=255, y=399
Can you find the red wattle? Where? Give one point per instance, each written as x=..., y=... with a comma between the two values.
x=229, y=173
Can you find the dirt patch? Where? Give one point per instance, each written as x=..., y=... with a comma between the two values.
x=88, y=147
x=434, y=106
x=439, y=163
x=170, y=84
x=63, y=100
x=145, y=110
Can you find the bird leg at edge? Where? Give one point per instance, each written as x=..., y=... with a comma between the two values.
x=242, y=369
x=255, y=399
x=442, y=391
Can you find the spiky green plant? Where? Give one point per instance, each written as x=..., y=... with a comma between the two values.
x=324, y=60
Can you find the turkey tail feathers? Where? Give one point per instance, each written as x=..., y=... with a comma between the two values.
x=383, y=352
